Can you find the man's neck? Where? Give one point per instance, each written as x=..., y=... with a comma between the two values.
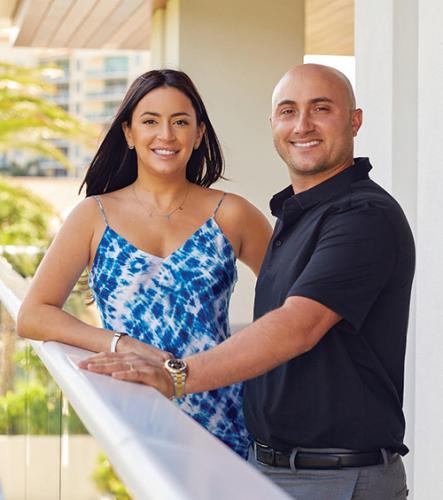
x=303, y=182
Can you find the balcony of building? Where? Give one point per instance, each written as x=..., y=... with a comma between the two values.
x=61, y=428
x=236, y=50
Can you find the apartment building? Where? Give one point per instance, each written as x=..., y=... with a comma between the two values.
x=89, y=84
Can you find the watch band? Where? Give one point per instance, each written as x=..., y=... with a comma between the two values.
x=178, y=370
x=117, y=336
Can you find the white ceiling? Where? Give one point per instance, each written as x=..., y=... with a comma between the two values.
x=125, y=24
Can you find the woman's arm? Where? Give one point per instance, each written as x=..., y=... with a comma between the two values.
x=41, y=315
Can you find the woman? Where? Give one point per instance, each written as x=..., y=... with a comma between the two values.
x=160, y=245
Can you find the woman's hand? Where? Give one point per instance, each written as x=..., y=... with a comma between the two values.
x=132, y=367
x=153, y=355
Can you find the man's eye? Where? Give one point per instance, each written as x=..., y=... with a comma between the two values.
x=321, y=108
x=287, y=111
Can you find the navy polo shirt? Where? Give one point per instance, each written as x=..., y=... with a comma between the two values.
x=346, y=244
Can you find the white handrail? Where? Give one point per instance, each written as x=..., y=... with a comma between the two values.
x=158, y=451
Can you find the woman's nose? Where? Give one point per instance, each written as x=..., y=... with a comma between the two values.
x=166, y=132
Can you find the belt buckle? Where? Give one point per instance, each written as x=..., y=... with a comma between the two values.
x=265, y=449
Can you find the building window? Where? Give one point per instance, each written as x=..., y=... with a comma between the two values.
x=117, y=86
x=116, y=64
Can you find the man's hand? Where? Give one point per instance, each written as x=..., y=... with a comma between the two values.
x=132, y=367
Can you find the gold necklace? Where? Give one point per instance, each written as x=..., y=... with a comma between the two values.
x=166, y=216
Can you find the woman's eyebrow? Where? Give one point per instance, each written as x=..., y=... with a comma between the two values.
x=153, y=113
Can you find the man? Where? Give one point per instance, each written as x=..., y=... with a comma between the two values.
x=324, y=358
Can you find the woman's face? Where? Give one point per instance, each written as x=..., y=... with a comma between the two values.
x=164, y=131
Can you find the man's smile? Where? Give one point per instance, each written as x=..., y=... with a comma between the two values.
x=304, y=144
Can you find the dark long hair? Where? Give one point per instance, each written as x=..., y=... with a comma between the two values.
x=114, y=166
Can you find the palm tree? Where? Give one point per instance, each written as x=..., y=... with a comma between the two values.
x=29, y=121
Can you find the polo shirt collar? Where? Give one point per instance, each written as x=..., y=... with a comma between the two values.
x=287, y=205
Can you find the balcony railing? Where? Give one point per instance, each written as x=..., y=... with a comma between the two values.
x=157, y=451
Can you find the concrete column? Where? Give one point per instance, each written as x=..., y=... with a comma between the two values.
x=429, y=344
x=236, y=52
x=386, y=87
x=400, y=84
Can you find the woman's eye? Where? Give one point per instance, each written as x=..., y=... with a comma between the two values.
x=182, y=122
x=149, y=122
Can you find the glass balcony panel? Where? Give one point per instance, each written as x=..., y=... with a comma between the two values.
x=43, y=417
x=13, y=438
x=85, y=471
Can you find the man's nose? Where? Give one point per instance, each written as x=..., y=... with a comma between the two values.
x=303, y=123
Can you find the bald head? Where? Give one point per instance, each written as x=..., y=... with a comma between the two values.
x=314, y=122
x=310, y=72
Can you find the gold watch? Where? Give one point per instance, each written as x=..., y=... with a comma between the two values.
x=178, y=370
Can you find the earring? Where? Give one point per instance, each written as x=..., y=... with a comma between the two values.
x=131, y=146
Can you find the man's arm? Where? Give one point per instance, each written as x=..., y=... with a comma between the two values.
x=282, y=334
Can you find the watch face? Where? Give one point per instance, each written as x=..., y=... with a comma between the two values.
x=176, y=365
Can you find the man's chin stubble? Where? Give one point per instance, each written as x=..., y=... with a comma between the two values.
x=315, y=170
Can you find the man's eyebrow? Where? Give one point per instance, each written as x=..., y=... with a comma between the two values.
x=285, y=103
x=315, y=100
x=152, y=113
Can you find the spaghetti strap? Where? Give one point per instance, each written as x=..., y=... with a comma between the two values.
x=218, y=204
x=102, y=210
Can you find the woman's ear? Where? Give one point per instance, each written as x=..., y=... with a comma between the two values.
x=200, y=133
x=128, y=135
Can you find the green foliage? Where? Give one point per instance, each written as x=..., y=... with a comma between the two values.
x=106, y=480
x=43, y=408
x=24, y=217
x=24, y=264
x=33, y=406
x=29, y=121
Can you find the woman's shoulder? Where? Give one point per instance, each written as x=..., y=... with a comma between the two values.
x=235, y=204
x=85, y=213
x=235, y=210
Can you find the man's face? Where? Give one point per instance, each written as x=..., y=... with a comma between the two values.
x=313, y=121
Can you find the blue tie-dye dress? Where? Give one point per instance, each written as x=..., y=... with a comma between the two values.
x=179, y=304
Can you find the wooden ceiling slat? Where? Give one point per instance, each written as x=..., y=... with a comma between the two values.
x=138, y=40
x=77, y=15
x=119, y=17
x=329, y=27
x=31, y=21
x=7, y=9
x=139, y=23
x=96, y=19
x=53, y=18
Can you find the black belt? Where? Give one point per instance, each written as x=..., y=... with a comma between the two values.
x=316, y=459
